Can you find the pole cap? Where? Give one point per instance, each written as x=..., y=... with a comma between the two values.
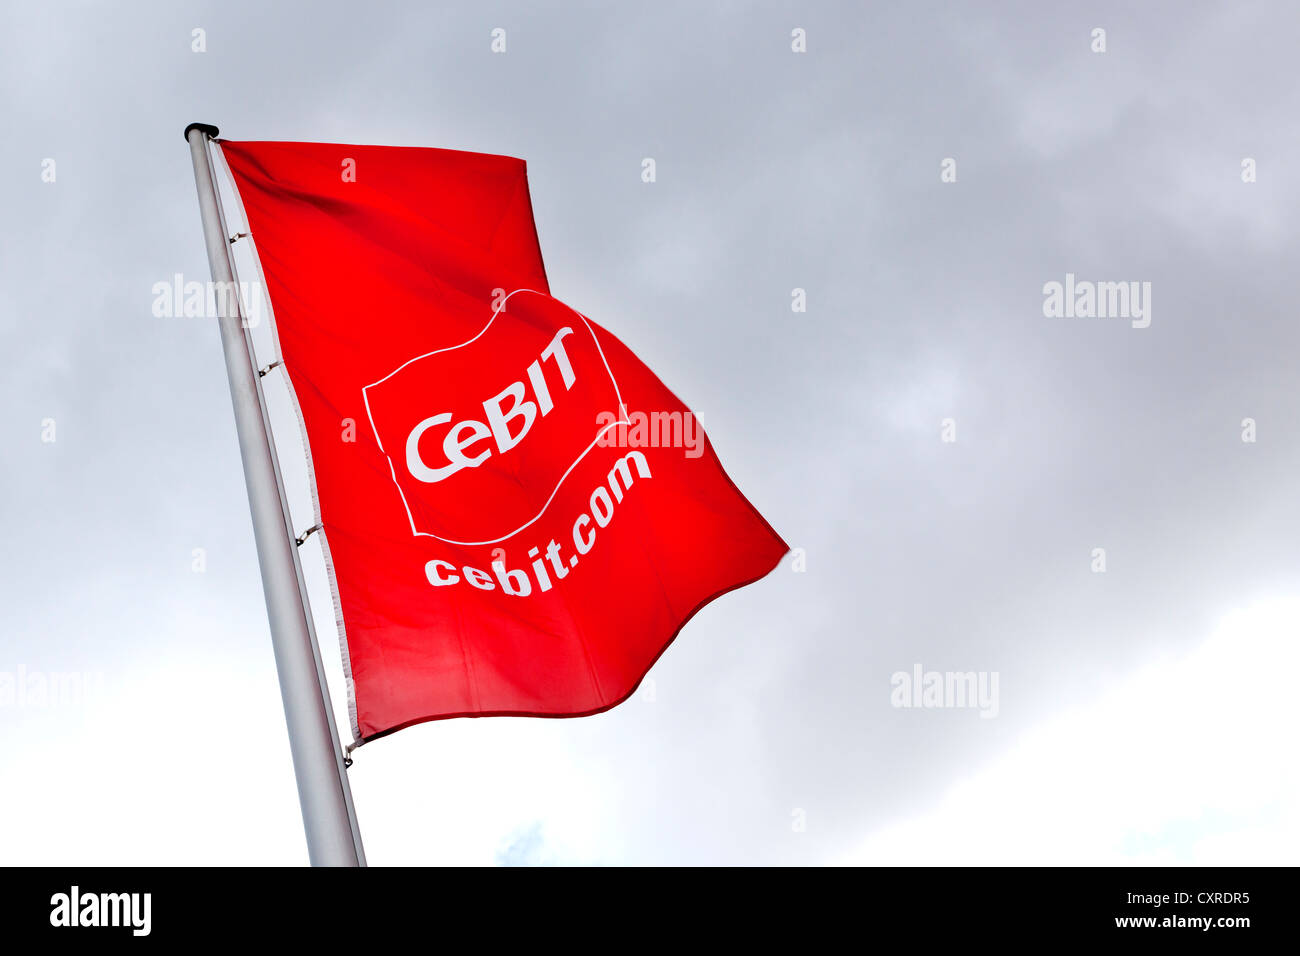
x=212, y=131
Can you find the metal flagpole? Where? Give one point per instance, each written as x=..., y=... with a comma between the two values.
x=323, y=790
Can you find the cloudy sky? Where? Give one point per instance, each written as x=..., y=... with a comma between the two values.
x=1142, y=710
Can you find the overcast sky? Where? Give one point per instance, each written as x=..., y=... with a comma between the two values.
x=1142, y=710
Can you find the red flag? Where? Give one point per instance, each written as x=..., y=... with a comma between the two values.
x=519, y=516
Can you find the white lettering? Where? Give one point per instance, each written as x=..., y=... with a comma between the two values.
x=458, y=439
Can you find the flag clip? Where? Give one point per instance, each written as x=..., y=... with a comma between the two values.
x=238, y=235
x=307, y=534
x=261, y=372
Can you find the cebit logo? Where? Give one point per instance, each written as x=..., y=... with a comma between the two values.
x=480, y=436
x=458, y=439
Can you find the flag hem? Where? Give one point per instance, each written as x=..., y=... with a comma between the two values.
x=350, y=686
x=639, y=681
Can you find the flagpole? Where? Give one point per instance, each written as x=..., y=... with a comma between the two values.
x=323, y=790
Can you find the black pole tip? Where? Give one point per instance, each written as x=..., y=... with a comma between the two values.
x=212, y=131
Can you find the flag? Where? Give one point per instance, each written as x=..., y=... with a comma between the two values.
x=518, y=516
